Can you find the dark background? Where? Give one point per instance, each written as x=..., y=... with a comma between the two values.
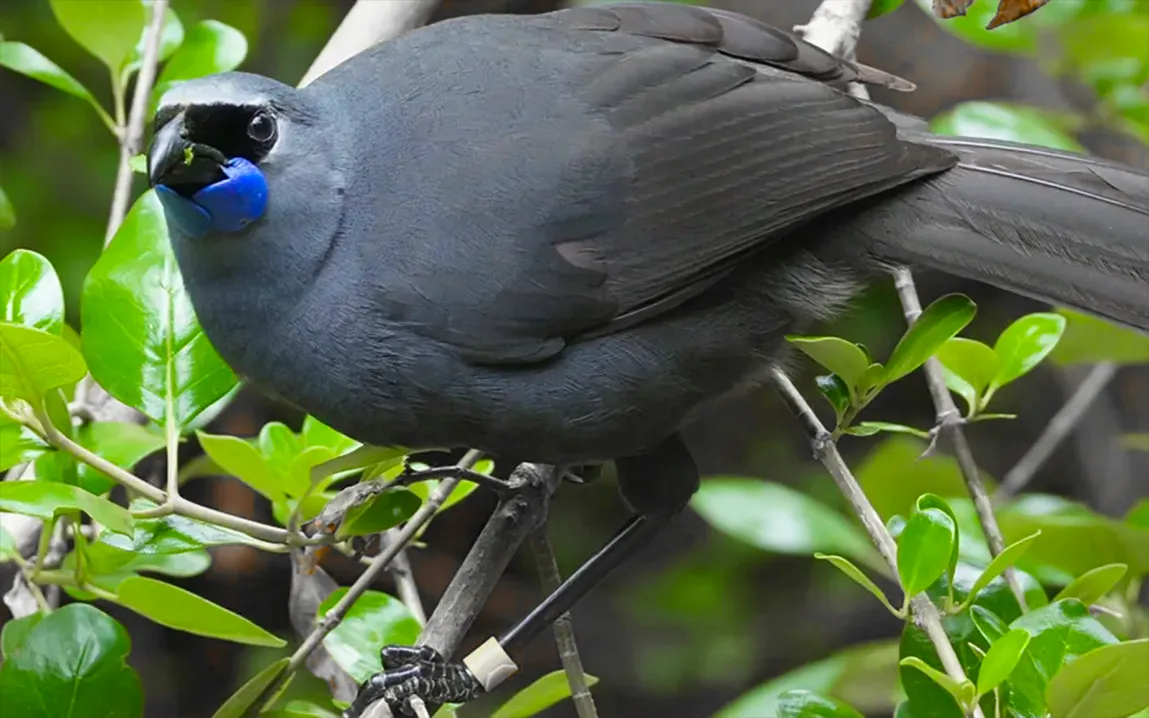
x=698, y=618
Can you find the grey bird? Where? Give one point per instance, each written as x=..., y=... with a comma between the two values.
x=556, y=237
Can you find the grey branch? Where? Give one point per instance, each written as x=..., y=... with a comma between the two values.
x=950, y=427
x=1058, y=428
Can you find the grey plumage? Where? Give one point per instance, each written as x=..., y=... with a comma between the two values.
x=557, y=236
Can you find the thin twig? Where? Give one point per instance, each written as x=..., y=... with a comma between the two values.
x=835, y=27
x=132, y=136
x=551, y=579
x=1062, y=423
x=950, y=426
x=924, y=612
x=405, y=584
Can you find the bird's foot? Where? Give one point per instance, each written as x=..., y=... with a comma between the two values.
x=414, y=671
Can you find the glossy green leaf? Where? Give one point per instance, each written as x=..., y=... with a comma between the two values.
x=1088, y=340
x=962, y=692
x=18, y=444
x=108, y=29
x=15, y=632
x=173, y=534
x=183, y=610
x=385, y=510
x=141, y=337
x=315, y=433
x=7, y=211
x=801, y=703
x=836, y=392
x=1017, y=37
x=843, y=358
x=28, y=61
x=1001, y=659
x=375, y=620
x=864, y=676
x=883, y=7
x=108, y=566
x=33, y=362
x=243, y=461
x=1024, y=344
x=1107, y=681
x=969, y=368
x=30, y=292
x=1009, y=556
x=538, y=696
x=777, y=518
x=924, y=549
x=869, y=428
x=933, y=501
x=121, y=443
x=1091, y=586
x=1138, y=514
x=238, y=704
x=301, y=709
x=860, y=578
x=8, y=548
x=209, y=47
x=71, y=664
x=47, y=499
x=1000, y=121
x=171, y=37
x=938, y=323
x=895, y=473
x=1060, y=633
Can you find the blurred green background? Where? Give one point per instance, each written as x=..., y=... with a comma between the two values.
x=703, y=615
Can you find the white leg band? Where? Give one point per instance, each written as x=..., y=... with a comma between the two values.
x=490, y=664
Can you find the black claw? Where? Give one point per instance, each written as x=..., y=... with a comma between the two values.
x=414, y=671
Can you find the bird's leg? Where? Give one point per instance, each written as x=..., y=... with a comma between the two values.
x=657, y=484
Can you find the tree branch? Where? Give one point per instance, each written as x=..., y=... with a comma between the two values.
x=950, y=426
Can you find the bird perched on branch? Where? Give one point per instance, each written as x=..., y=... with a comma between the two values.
x=556, y=237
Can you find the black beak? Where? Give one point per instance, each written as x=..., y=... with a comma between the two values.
x=185, y=167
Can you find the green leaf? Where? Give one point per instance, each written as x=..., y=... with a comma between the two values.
x=1017, y=37
x=1060, y=633
x=1000, y=121
x=969, y=368
x=776, y=518
x=864, y=676
x=963, y=692
x=924, y=549
x=1010, y=555
x=173, y=534
x=208, y=48
x=30, y=292
x=8, y=548
x=843, y=358
x=28, y=61
x=938, y=323
x=375, y=620
x=883, y=7
x=33, y=362
x=315, y=433
x=141, y=337
x=18, y=444
x=108, y=29
x=47, y=499
x=1023, y=345
x=238, y=704
x=71, y=664
x=1107, y=681
x=15, y=632
x=182, y=610
x=869, y=428
x=1136, y=442
x=538, y=696
x=243, y=461
x=802, y=703
x=836, y=392
x=933, y=501
x=171, y=37
x=860, y=578
x=1088, y=340
x=1001, y=659
x=305, y=709
x=1091, y=586
x=895, y=473
x=386, y=509
x=121, y=443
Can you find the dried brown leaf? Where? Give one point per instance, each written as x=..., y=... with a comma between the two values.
x=1010, y=10
x=946, y=9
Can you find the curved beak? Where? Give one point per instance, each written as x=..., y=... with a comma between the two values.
x=179, y=164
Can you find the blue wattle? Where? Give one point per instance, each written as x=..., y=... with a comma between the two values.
x=226, y=206
x=237, y=201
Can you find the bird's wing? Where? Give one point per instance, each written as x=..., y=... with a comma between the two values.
x=639, y=153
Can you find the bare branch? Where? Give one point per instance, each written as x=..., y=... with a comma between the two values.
x=368, y=23
x=950, y=427
x=835, y=27
x=925, y=614
x=1058, y=428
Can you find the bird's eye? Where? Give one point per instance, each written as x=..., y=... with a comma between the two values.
x=261, y=128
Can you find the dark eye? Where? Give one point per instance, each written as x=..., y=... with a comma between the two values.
x=261, y=128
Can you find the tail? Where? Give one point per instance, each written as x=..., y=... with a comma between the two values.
x=1060, y=228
